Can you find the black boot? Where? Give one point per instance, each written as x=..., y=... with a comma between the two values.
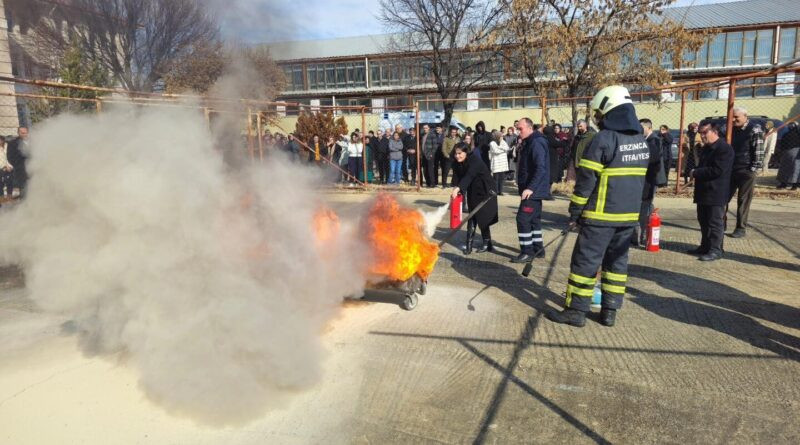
x=608, y=317
x=486, y=246
x=568, y=316
x=470, y=237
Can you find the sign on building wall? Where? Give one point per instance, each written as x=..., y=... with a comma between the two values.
x=472, y=103
x=377, y=105
x=787, y=88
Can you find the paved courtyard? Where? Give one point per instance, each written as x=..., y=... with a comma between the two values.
x=702, y=353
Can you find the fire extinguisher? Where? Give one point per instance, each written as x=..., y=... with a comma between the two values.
x=653, y=231
x=455, y=211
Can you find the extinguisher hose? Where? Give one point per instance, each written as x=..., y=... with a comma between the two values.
x=464, y=220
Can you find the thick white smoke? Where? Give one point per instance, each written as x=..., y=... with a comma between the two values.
x=212, y=283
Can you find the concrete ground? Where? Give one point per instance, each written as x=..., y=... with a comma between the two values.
x=702, y=353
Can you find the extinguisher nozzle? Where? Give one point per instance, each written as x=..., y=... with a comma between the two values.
x=527, y=269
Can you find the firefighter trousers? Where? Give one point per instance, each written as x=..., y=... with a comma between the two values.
x=529, y=225
x=597, y=247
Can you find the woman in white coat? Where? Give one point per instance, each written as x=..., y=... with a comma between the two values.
x=498, y=159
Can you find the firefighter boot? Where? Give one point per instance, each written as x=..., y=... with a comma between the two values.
x=608, y=317
x=568, y=316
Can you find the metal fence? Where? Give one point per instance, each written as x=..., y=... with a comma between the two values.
x=261, y=128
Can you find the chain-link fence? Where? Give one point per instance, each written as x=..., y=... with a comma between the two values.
x=348, y=143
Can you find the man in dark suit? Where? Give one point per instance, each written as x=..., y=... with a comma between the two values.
x=712, y=187
x=655, y=177
x=18, y=150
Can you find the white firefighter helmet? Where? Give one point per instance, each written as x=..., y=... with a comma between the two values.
x=609, y=98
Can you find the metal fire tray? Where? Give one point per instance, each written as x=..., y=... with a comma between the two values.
x=410, y=289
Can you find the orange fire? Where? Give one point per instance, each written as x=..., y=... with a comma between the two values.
x=400, y=248
x=326, y=225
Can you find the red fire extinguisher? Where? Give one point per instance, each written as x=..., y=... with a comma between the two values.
x=653, y=231
x=455, y=211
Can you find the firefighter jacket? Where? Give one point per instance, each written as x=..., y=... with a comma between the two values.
x=611, y=173
x=748, y=146
x=533, y=169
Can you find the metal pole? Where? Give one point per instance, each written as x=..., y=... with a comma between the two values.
x=731, y=96
x=681, y=137
x=544, y=111
x=258, y=135
x=416, y=133
x=250, y=135
x=364, y=146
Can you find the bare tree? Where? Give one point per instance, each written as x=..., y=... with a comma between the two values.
x=450, y=37
x=572, y=47
x=256, y=75
x=137, y=41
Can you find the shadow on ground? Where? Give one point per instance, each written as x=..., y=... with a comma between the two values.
x=719, y=307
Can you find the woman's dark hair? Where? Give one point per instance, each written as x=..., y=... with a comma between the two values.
x=461, y=146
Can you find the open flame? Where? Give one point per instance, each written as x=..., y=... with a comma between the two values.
x=400, y=248
x=395, y=235
x=326, y=226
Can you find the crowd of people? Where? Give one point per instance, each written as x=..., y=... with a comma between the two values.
x=391, y=154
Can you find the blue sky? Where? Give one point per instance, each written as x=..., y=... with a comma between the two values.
x=256, y=21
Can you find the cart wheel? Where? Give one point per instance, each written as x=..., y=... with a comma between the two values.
x=409, y=302
x=423, y=287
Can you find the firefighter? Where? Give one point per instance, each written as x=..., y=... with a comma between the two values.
x=605, y=206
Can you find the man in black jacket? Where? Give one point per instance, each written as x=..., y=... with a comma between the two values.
x=533, y=182
x=748, y=148
x=655, y=177
x=482, y=139
x=429, y=145
x=605, y=203
x=382, y=156
x=18, y=150
x=711, y=191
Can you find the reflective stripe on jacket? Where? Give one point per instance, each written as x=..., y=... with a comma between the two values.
x=610, y=179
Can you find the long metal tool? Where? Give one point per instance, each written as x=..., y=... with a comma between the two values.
x=529, y=265
x=467, y=218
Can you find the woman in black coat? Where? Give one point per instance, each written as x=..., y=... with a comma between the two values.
x=474, y=178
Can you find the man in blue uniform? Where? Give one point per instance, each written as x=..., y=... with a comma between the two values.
x=533, y=182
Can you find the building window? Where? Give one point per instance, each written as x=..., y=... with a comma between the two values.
x=749, y=48
x=336, y=75
x=764, y=46
x=716, y=51
x=701, y=58
x=486, y=100
x=505, y=104
x=789, y=47
x=294, y=77
x=733, y=49
x=742, y=90
x=666, y=61
x=764, y=91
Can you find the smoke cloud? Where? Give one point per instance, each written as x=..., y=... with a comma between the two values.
x=212, y=283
